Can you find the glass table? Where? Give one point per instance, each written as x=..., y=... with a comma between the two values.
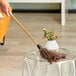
x=34, y=65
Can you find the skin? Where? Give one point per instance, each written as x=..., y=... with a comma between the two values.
x=5, y=6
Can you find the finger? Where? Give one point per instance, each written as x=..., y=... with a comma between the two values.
x=7, y=12
x=10, y=9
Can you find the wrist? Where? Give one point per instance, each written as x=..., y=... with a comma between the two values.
x=1, y=1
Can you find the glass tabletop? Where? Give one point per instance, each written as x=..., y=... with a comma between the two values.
x=35, y=55
x=35, y=65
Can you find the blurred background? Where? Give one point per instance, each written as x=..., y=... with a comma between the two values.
x=71, y=5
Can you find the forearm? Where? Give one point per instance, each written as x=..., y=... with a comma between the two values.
x=5, y=6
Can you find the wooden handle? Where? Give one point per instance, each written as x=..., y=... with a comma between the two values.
x=23, y=28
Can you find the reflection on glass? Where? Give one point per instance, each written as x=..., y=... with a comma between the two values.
x=34, y=65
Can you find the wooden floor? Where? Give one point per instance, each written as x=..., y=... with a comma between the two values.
x=18, y=43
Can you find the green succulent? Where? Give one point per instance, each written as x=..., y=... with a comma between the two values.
x=50, y=35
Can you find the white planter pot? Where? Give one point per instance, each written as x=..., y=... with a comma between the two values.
x=52, y=45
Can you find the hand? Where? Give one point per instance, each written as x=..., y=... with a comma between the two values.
x=5, y=6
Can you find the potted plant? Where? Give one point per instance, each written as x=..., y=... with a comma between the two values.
x=51, y=43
